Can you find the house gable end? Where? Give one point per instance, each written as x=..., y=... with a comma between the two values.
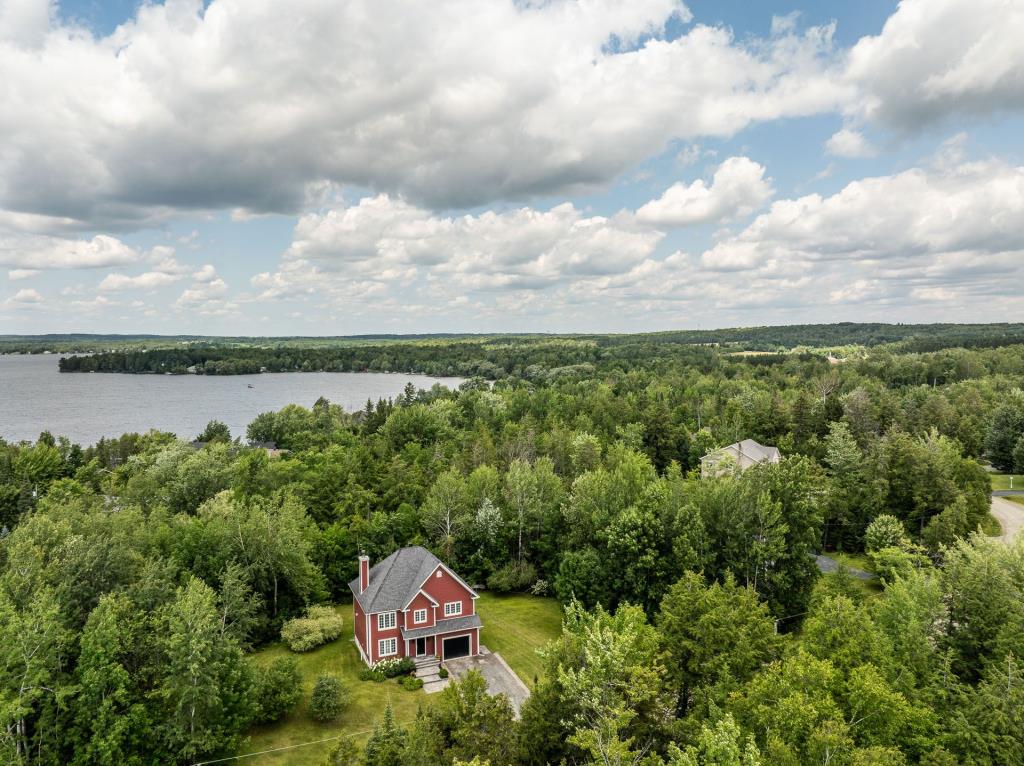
x=416, y=595
x=449, y=574
x=448, y=590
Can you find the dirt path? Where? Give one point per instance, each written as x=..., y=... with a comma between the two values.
x=1010, y=515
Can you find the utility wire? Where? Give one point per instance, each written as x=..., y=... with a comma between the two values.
x=279, y=749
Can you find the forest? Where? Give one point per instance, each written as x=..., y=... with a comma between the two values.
x=492, y=357
x=139, y=574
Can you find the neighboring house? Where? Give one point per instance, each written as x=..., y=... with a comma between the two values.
x=741, y=455
x=412, y=605
x=270, y=448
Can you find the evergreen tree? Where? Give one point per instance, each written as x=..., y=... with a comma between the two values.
x=387, y=742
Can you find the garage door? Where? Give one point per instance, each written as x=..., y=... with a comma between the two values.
x=455, y=647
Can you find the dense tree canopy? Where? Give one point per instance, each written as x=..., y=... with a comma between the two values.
x=135, y=574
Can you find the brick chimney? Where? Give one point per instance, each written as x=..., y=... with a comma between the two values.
x=364, y=573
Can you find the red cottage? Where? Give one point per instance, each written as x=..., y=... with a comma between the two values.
x=412, y=605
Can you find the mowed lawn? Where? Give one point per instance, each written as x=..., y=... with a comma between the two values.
x=1002, y=481
x=514, y=626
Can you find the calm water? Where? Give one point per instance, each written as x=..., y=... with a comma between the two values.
x=35, y=397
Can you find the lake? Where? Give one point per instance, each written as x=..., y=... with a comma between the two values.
x=35, y=397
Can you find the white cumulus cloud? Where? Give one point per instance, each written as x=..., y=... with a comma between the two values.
x=15, y=274
x=447, y=103
x=47, y=252
x=739, y=187
x=950, y=231
x=384, y=239
x=145, y=281
x=206, y=273
x=936, y=58
x=25, y=298
x=849, y=143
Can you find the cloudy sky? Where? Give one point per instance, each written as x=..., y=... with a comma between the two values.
x=335, y=167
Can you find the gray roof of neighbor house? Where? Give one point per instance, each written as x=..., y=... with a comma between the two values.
x=750, y=448
x=445, y=626
x=395, y=580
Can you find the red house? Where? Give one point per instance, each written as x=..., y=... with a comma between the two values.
x=412, y=605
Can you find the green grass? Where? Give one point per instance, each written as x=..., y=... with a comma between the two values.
x=514, y=626
x=1002, y=481
x=1019, y=499
x=368, y=700
x=853, y=561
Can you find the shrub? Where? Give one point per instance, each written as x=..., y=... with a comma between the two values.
x=388, y=669
x=329, y=698
x=369, y=674
x=443, y=672
x=411, y=683
x=885, y=531
x=395, y=666
x=320, y=625
x=278, y=688
x=513, y=578
x=540, y=588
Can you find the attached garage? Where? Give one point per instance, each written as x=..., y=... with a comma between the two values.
x=455, y=647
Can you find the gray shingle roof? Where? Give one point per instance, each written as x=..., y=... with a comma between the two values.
x=748, y=448
x=395, y=580
x=755, y=450
x=445, y=626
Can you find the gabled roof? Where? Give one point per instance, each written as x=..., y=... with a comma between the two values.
x=750, y=449
x=396, y=580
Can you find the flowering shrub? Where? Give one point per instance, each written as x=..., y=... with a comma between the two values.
x=395, y=666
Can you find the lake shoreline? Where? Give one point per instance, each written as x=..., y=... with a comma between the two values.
x=35, y=397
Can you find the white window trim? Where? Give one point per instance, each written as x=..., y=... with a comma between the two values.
x=419, y=616
x=393, y=642
x=456, y=608
x=381, y=620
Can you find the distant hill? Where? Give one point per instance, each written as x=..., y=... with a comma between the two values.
x=764, y=338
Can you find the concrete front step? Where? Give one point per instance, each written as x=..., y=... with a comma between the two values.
x=434, y=685
x=427, y=671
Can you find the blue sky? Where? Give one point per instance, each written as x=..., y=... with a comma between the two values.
x=242, y=167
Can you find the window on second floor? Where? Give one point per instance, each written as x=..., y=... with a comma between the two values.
x=385, y=620
x=418, y=616
x=452, y=608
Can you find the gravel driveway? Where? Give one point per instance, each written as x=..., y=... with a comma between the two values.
x=1010, y=515
x=500, y=678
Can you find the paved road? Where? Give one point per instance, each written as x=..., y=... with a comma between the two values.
x=1010, y=515
x=1007, y=492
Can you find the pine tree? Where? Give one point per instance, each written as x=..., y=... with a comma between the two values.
x=386, y=744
